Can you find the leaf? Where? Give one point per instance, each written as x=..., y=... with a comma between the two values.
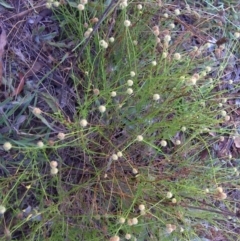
x=20, y=86
x=34, y=69
x=51, y=101
x=3, y=42
x=237, y=141
x=6, y=5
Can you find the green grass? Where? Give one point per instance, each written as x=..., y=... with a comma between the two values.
x=91, y=191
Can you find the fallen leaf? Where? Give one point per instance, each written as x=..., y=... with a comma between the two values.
x=20, y=86
x=237, y=141
x=34, y=69
x=5, y=4
x=3, y=42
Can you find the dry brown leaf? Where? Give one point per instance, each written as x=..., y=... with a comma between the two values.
x=237, y=141
x=34, y=69
x=3, y=42
x=20, y=86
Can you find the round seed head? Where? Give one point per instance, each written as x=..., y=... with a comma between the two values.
x=135, y=42
x=96, y=91
x=177, y=12
x=2, y=209
x=61, y=136
x=172, y=25
x=134, y=221
x=114, y=157
x=139, y=138
x=114, y=238
x=237, y=34
x=165, y=15
x=113, y=93
x=54, y=171
x=130, y=82
x=132, y=73
x=36, y=111
x=154, y=63
x=141, y=207
x=223, y=113
x=139, y=7
x=167, y=38
x=102, y=108
x=56, y=4
x=111, y=40
x=7, y=146
x=48, y=5
x=164, y=55
x=129, y=91
x=40, y=144
x=134, y=171
x=177, y=56
x=219, y=189
x=119, y=154
x=163, y=143
x=121, y=220
x=83, y=123
x=53, y=164
x=183, y=129
x=169, y=195
x=80, y=7
x=127, y=23
x=177, y=142
x=128, y=236
x=156, y=97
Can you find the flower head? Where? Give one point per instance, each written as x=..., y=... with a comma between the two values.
x=132, y=73
x=53, y=164
x=127, y=23
x=139, y=7
x=40, y=144
x=167, y=38
x=114, y=238
x=36, y=111
x=80, y=7
x=56, y=4
x=134, y=221
x=61, y=136
x=2, y=209
x=111, y=39
x=169, y=195
x=154, y=63
x=163, y=143
x=141, y=207
x=121, y=220
x=7, y=146
x=130, y=82
x=156, y=97
x=114, y=157
x=129, y=91
x=128, y=236
x=83, y=123
x=54, y=171
x=102, y=108
x=177, y=12
x=113, y=93
x=139, y=138
x=177, y=56
x=119, y=154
